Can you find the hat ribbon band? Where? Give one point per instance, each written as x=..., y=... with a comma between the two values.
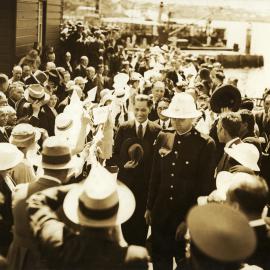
x=98, y=214
x=56, y=160
x=35, y=98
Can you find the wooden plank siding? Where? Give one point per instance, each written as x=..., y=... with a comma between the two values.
x=54, y=18
x=7, y=35
x=27, y=26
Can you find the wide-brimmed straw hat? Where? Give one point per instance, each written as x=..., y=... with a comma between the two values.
x=36, y=92
x=10, y=156
x=182, y=106
x=221, y=233
x=56, y=155
x=246, y=154
x=100, y=201
x=23, y=135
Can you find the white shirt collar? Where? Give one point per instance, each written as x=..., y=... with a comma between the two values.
x=144, y=124
x=231, y=142
x=51, y=178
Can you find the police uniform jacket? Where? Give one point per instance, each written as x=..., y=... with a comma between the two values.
x=183, y=169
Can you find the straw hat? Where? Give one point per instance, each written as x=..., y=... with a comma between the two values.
x=10, y=156
x=221, y=233
x=79, y=80
x=23, y=135
x=100, y=201
x=56, y=154
x=182, y=106
x=246, y=154
x=36, y=92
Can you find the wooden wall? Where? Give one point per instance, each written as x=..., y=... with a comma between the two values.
x=54, y=18
x=27, y=26
x=7, y=35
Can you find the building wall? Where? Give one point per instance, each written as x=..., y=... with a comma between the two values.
x=7, y=35
x=27, y=26
x=53, y=18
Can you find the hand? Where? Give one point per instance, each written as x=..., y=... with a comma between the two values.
x=181, y=231
x=148, y=217
x=131, y=164
x=36, y=107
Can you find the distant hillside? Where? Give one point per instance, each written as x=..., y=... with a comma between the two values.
x=123, y=8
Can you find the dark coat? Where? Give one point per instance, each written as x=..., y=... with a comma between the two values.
x=183, y=169
x=78, y=248
x=3, y=137
x=79, y=71
x=136, y=179
x=263, y=123
x=23, y=252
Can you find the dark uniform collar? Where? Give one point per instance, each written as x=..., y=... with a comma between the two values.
x=186, y=134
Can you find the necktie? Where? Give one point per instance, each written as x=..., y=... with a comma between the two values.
x=140, y=131
x=163, y=126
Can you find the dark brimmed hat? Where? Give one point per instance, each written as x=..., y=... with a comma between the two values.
x=247, y=103
x=56, y=154
x=133, y=149
x=221, y=233
x=39, y=77
x=225, y=96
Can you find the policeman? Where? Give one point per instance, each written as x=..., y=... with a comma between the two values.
x=183, y=168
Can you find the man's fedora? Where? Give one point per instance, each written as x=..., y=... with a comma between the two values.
x=39, y=77
x=221, y=233
x=23, y=135
x=10, y=156
x=182, y=106
x=246, y=154
x=133, y=149
x=99, y=201
x=36, y=92
x=225, y=96
x=56, y=154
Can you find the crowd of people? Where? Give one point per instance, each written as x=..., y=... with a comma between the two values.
x=118, y=157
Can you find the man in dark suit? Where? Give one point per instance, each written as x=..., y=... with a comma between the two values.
x=163, y=121
x=67, y=64
x=3, y=123
x=183, y=169
x=136, y=175
x=80, y=70
x=250, y=194
x=23, y=252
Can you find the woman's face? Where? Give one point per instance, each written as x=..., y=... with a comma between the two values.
x=53, y=100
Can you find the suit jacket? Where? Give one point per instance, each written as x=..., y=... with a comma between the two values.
x=137, y=178
x=79, y=71
x=75, y=249
x=67, y=68
x=3, y=137
x=159, y=123
x=263, y=123
x=23, y=250
x=183, y=169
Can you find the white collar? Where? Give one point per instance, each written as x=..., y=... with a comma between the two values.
x=257, y=222
x=51, y=178
x=144, y=124
x=231, y=142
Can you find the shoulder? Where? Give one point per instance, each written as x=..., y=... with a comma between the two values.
x=127, y=124
x=203, y=137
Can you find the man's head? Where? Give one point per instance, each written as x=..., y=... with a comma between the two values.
x=51, y=57
x=17, y=73
x=158, y=90
x=248, y=123
x=249, y=193
x=228, y=126
x=266, y=99
x=50, y=66
x=12, y=116
x=68, y=56
x=84, y=61
x=3, y=82
x=16, y=91
x=90, y=73
x=163, y=104
x=142, y=107
x=80, y=81
x=26, y=71
x=3, y=117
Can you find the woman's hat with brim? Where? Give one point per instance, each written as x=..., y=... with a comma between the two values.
x=225, y=96
x=221, y=232
x=133, y=149
x=100, y=201
x=39, y=77
x=182, y=106
x=10, y=156
x=23, y=135
x=36, y=92
x=56, y=155
x=246, y=154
